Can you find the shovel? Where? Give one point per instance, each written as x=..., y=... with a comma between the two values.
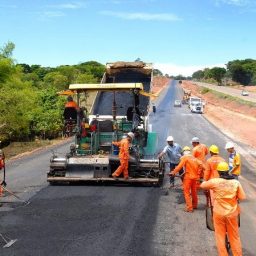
x=8, y=242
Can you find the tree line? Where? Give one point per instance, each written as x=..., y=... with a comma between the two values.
x=239, y=71
x=29, y=102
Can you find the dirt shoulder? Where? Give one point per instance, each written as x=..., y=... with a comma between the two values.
x=19, y=149
x=235, y=119
x=159, y=83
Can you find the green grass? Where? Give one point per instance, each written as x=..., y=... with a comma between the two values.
x=16, y=148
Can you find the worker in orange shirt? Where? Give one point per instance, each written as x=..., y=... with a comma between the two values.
x=234, y=160
x=124, y=155
x=211, y=171
x=227, y=191
x=71, y=103
x=200, y=152
x=212, y=163
x=192, y=167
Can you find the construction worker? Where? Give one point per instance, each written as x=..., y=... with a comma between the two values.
x=124, y=155
x=212, y=163
x=2, y=165
x=227, y=191
x=71, y=103
x=192, y=167
x=173, y=152
x=200, y=152
x=234, y=160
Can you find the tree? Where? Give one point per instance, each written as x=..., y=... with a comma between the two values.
x=218, y=74
x=7, y=50
x=198, y=75
x=57, y=80
x=242, y=71
x=157, y=72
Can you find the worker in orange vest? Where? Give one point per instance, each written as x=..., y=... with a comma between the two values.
x=227, y=191
x=71, y=103
x=211, y=171
x=192, y=167
x=124, y=155
x=200, y=152
x=212, y=163
x=234, y=160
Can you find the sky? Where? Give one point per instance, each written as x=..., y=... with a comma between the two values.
x=177, y=36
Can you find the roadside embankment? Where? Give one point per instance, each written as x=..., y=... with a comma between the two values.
x=233, y=116
x=159, y=83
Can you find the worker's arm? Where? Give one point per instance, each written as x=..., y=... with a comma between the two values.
x=116, y=143
x=240, y=193
x=207, y=184
x=178, y=167
x=160, y=155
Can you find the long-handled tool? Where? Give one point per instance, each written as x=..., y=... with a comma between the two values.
x=10, y=192
x=8, y=242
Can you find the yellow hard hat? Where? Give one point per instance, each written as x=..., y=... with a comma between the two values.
x=186, y=148
x=214, y=149
x=222, y=167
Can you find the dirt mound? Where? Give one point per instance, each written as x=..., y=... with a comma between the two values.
x=159, y=82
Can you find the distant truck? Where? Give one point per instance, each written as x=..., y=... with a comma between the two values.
x=196, y=105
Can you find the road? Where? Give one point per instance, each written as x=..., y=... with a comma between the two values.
x=118, y=220
x=230, y=91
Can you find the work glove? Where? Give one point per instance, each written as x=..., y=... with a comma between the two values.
x=171, y=174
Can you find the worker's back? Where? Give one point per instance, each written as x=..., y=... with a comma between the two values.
x=200, y=151
x=211, y=167
x=191, y=166
x=226, y=192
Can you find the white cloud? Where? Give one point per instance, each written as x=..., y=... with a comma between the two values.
x=53, y=14
x=173, y=69
x=71, y=5
x=234, y=2
x=142, y=16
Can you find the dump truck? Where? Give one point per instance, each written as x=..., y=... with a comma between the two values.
x=121, y=105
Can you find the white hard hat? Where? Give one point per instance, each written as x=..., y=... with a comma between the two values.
x=131, y=135
x=195, y=139
x=169, y=138
x=229, y=145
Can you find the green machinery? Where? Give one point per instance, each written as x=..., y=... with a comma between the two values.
x=93, y=158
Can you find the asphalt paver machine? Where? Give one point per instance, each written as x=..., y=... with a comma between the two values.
x=116, y=111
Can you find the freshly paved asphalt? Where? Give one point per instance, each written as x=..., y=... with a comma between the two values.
x=117, y=220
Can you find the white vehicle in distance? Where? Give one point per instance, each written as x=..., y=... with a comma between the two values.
x=177, y=103
x=244, y=93
x=196, y=105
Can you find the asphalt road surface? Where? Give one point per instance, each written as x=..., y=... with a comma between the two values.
x=119, y=220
